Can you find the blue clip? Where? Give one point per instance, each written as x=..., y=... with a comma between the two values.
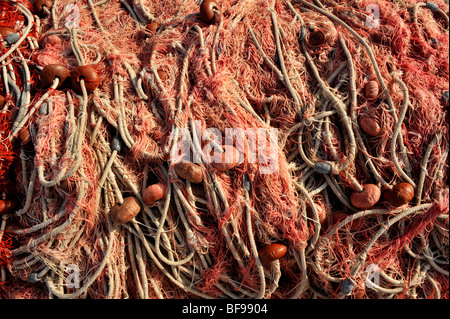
x=247, y=183
x=432, y=6
x=347, y=286
x=33, y=278
x=322, y=168
x=302, y=35
x=445, y=97
x=116, y=143
x=12, y=38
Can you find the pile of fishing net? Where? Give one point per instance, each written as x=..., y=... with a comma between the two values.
x=224, y=149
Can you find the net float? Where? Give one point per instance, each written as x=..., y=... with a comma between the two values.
x=24, y=139
x=163, y=74
x=189, y=171
x=272, y=252
x=86, y=73
x=121, y=214
x=207, y=9
x=371, y=90
x=6, y=206
x=52, y=71
x=5, y=31
x=40, y=5
x=370, y=125
x=24, y=136
x=320, y=209
x=226, y=160
x=154, y=193
x=317, y=38
x=340, y=215
x=152, y=28
x=367, y=198
x=399, y=195
x=2, y=100
x=360, y=292
x=52, y=40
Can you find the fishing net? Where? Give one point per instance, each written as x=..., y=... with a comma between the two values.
x=224, y=149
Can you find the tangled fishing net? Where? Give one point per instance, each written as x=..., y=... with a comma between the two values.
x=114, y=121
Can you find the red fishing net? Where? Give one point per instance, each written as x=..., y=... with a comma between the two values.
x=334, y=116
